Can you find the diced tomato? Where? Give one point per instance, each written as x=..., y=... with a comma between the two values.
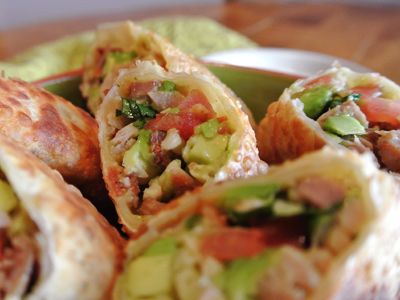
x=195, y=97
x=138, y=89
x=232, y=243
x=367, y=91
x=379, y=110
x=193, y=111
x=322, y=80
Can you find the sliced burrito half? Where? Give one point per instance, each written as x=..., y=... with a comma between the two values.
x=322, y=227
x=340, y=108
x=163, y=133
x=53, y=242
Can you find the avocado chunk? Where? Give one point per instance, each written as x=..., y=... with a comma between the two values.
x=149, y=276
x=205, y=156
x=139, y=159
x=315, y=100
x=343, y=125
x=167, y=86
x=336, y=138
x=209, y=129
x=164, y=246
x=283, y=208
x=241, y=278
x=116, y=58
x=266, y=192
x=205, y=151
x=8, y=200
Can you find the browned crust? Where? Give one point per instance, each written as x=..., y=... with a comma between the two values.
x=286, y=132
x=60, y=134
x=83, y=250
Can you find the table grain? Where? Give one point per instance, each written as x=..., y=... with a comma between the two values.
x=368, y=35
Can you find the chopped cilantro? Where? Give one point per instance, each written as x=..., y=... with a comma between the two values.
x=167, y=86
x=139, y=112
x=338, y=100
x=354, y=97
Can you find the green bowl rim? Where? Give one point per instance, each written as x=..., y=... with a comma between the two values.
x=52, y=79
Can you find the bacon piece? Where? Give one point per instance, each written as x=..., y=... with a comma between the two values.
x=115, y=186
x=139, y=89
x=16, y=266
x=388, y=148
x=161, y=157
x=320, y=192
x=183, y=182
x=231, y=243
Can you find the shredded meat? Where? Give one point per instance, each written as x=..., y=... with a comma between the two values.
x=124, y=139
x=140, y=89
x=293, y=277
x=164, y=100
x=347, y=108
x=17, y=262
x=360, y=145
x=161, y=157
x=388, y=149
x=320, y=192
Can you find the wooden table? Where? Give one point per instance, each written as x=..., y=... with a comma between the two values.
x=367, y=35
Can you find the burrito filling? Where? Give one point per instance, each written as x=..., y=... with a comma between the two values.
x=169, y=140
x=264, y=241
x=359, y=116
x=108, y=62
x=18, y=250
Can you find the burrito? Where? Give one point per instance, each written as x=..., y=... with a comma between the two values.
x=57, y=132
x=53, y=242
x=322, y=227
x=339, y=108
x=119, y=45
x=162, y=133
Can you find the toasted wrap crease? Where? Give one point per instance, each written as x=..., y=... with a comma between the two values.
x=78, y=251
x=367, y=268
x=242, y=155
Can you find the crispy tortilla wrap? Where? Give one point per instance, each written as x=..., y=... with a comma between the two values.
x=322, y=227
x=118, y=45
x=163, y=133
x=339, y=108
x=53, y=242
x=57, y=132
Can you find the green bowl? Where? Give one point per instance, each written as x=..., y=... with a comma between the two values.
x=257, y=88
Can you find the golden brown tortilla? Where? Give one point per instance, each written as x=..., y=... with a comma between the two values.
x=79, y=252
x=59, y=133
